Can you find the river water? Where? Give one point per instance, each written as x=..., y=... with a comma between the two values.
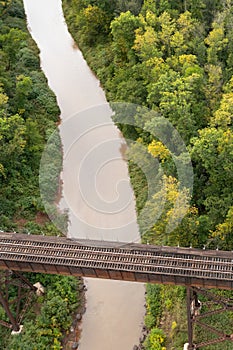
x=96, y=187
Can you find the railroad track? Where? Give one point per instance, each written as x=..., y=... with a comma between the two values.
x=135, y=258
x=193, y=268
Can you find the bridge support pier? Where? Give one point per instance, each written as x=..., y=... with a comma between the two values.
x=13, y=322
x=14, y=283
x=189, y=318
x=214, y=304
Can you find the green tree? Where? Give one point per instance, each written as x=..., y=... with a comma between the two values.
x=180, y=99
x=12, y=42
x=146, y=43
x=3, y=103
x=216, y=42
x=93, y=22
x=12, y=141
x=123, y=32
x=224, y=231
x=212, y=151
x=22, y=92
x=168, y=28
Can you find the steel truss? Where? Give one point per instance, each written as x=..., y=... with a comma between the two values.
x=16, y=307
x=195, y=316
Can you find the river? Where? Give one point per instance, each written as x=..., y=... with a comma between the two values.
x=96, y=187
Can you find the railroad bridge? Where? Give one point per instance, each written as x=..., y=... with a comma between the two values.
x=115, y=260
x=198, y=270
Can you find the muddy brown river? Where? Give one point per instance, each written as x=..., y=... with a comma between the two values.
x=96, y=188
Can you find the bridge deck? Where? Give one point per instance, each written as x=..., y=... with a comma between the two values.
x=114, y=260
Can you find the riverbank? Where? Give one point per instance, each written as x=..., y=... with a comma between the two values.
x=71, y=340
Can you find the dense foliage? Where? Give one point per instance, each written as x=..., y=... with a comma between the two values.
x=174, y=57
x=49, y=318
x=28, y=113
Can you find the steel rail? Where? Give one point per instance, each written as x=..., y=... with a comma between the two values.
x=116, y=256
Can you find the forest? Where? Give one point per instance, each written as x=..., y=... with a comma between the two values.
x=174, y=59
x=28, y=116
